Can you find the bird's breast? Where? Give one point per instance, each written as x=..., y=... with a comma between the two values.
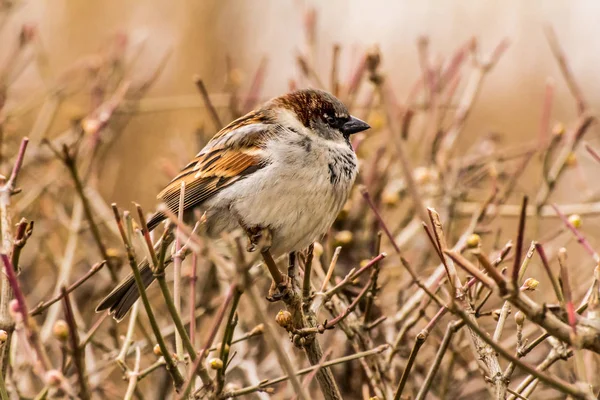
x=298, y=194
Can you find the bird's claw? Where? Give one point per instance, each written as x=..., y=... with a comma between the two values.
x=279, y=291
x=259, y=239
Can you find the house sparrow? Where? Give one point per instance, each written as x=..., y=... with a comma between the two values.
x=283, y=172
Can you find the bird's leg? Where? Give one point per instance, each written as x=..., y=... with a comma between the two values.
x=285, y=287
x=260, y=238
x=292, y=266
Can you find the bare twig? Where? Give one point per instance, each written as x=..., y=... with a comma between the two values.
x=266, y=383
x=40, y=308
x=208, y=103
x=557, y=383
x=170, y=363
x=273, y=339
x=565, y=69
x=6, y=191
x=77, y=351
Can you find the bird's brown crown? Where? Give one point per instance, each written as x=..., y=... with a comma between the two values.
x=312, y=104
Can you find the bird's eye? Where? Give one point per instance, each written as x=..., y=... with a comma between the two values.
x=330, y=119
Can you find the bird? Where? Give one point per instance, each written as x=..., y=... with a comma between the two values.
x=282, y=172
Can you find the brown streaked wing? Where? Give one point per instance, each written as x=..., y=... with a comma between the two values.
x=232, y=154
x=210, y=173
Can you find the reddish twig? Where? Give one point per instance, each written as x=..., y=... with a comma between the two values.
x=546, y=113
x=592, y=152
x=76, y=349
x=580, y=238
x=12, y=180
x=557, y=290
x=253, y=95
x=211, y=337
x=208, y=103
x=519, y=242
x=43, y=306
x=29, y=324
x=565, y=69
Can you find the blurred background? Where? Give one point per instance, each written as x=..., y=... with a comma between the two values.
x=200, y=35
x=127, y=74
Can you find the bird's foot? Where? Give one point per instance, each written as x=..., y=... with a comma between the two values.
x=280, y=291
x=259, y=238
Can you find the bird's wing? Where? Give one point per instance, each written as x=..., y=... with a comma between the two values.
x=232, y=154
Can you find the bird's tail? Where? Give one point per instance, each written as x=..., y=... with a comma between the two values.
x=120, y=300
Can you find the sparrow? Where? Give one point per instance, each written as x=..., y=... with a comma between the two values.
x=283, y=172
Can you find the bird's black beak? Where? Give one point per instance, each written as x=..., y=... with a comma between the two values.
x=354, y=125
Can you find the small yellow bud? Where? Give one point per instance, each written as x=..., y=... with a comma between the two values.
x=530, y=284
x=60, y=330
x=236, y=76
x=112, y=252
x=90, y=125
x=284, y=319
x=519, y=318
x=496, y=314
x=318, y=250
x=216, y=363
x=260, y=328
x=226, y=347
x=571, y=160
x=347, y=206
x=390, y=197
x=343, y=237
x=363, y=263
x=53, y=378
x=3, y=336
x=575, y=220
x=474, y=241
x=558, y=129
x=15, y=309
x=345, y=211
x=376, y=119
x=422, y=175
x=157, y=351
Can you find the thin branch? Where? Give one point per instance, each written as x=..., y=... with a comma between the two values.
x=266, y=383
x=519, y=242
x=170, y=363
x=40, y=308
x=557, y=383
x=580, y=237
x=451, y=329
x=565, y=69
x=284, y=361
x=77, y=351
x=307, y=272
x=208, y=103
x=211, y=337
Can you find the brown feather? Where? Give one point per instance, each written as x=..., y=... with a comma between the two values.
x=213, y=169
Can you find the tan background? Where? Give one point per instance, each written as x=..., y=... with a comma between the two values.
x=201, y=33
